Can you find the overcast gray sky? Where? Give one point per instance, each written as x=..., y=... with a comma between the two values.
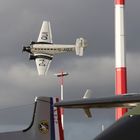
x=92, y=19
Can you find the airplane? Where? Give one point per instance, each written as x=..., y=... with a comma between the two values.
x=126, y=128
x=44, y=50
x=45, y=125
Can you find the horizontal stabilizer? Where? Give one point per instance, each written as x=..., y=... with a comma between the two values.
x=80, y=45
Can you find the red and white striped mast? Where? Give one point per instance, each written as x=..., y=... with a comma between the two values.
x=61, y=80
x=120, y=57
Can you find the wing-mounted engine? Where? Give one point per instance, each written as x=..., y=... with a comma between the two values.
x=32, y=57
x=81, y=43
x=42, y=56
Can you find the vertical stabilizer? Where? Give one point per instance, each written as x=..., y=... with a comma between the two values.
x=46, y=123
x=42, y=125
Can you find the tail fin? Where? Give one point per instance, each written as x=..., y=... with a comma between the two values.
x=46, y=123
x=80, y=45
x=45, y=33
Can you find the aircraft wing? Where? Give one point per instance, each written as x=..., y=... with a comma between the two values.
x=45, y=34
x=126, y=101
x=43, y=63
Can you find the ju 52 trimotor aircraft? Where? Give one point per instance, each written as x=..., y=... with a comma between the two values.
x=43, y=50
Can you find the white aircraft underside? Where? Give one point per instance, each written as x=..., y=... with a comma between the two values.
x=43, y=50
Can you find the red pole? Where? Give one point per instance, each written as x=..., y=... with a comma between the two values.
x=61, y=110
x=121, y=72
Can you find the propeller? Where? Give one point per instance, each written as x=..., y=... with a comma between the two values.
x=23, y=49
x=26, y=49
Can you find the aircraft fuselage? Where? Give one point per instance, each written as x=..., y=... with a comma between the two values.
x=51, y=48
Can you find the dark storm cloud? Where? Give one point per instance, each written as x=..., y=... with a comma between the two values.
x=21, y=21
x=93, y=19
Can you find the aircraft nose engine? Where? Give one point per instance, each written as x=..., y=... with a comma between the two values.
x=26, y=49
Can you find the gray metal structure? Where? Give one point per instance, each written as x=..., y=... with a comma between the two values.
x=126, y=128
x=42, y=126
